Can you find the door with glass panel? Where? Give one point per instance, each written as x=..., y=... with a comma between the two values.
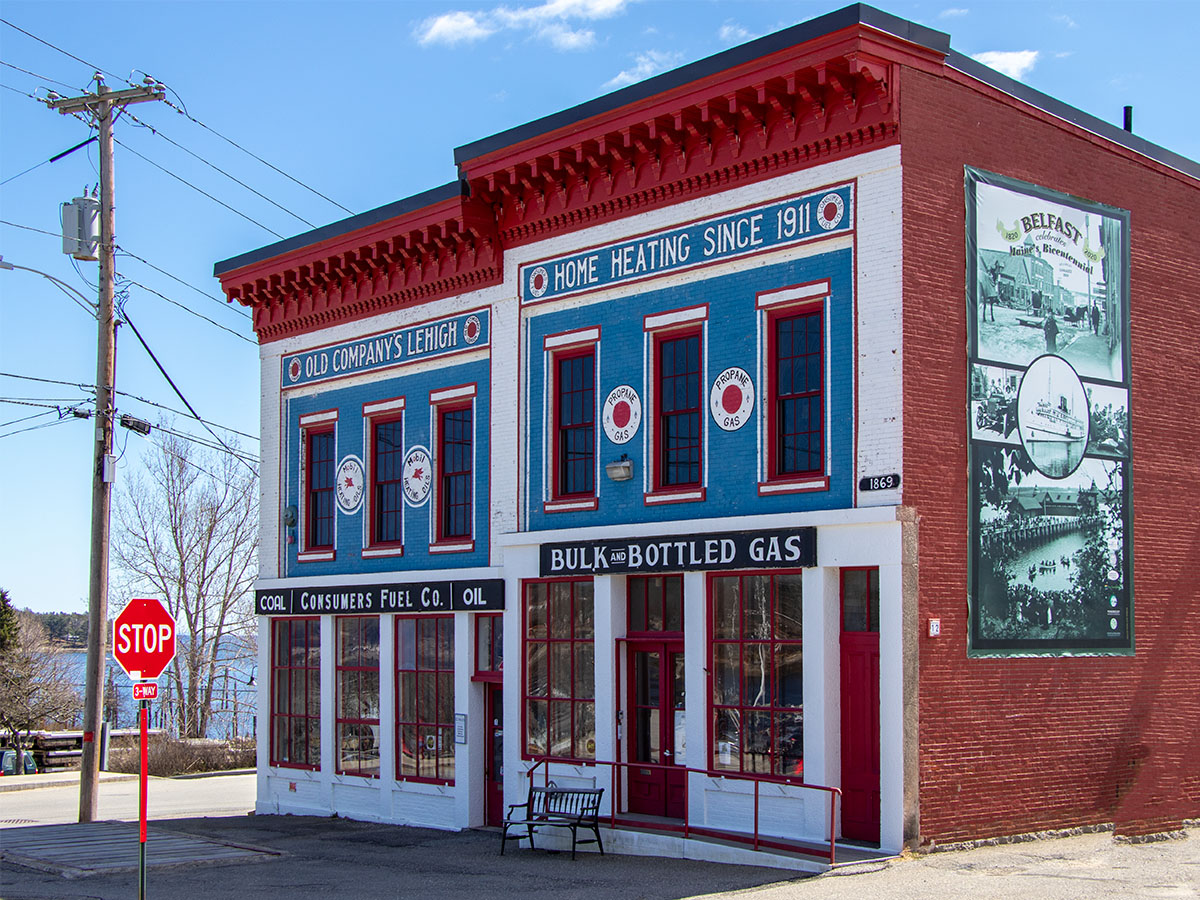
x=655, y=703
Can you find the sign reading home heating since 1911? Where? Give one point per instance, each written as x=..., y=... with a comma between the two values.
x=782, y=223
x=411, y=344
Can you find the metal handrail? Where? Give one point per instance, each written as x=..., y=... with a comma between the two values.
x=757, y=780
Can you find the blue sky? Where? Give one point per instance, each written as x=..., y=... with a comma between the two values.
x=362, y=102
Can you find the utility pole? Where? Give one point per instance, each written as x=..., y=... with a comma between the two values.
x=101, y=106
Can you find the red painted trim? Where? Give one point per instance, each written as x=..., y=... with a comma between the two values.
x=574, y=339
x=556, y=356
x=308, y=433
x=584, y=503
x=773, y=315
x=316, y=556
x=273, y=750
x=666, y=497
x=657, y=337
x=821, y=289
x=493, y=674
x=793, y=486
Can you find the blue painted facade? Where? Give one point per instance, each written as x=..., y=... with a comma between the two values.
x=734, y=337
x=419, y=521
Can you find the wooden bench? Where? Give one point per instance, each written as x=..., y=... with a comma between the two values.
x=555, y=807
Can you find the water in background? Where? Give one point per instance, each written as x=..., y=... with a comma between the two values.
x=234, y=697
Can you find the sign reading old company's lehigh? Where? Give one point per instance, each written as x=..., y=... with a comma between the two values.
x=783, y=548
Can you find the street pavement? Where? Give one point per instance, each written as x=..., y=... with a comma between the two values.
x=320, y=858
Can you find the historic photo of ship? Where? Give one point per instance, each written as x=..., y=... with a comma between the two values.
x=1050, y=563
x=1052, y=415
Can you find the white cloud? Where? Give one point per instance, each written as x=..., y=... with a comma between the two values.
x=550, y=21
x=953, y=13
x=733, y=33
x=645, y=64
x=1013, y=63
x=1066, y=21
x=453, y=28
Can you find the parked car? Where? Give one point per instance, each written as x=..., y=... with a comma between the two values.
x=8, y=763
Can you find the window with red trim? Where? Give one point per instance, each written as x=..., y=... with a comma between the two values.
x=797, y=411
x=655, y=603
x=455, y=461
x=757, y=702
x=425, y=698
x=319, y=478
x=560, y=679
x=357, y=679
x=296, y=693
x=489, y=646
x=387, y=481
x=679, y=414
x=574, y=423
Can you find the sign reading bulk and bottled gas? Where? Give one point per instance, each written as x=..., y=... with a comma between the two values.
x=782, y=223
x=400, y=346
x=482, y=595
x=782, y=548
x=1049, y=418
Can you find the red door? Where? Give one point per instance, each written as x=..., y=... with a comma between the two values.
x=656, y=729
x=860, y=704
x=493, y=761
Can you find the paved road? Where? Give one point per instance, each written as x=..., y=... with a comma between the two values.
x=328, y=858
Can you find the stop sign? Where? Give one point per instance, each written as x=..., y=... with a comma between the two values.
x=144, y=638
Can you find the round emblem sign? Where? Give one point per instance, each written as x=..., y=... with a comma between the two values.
x=349, y=487
x=830, y=211
x=471, y=329
x=539, y=280
x=731, y=399
x=622, y=414
x=294, y=371
x=418, y=476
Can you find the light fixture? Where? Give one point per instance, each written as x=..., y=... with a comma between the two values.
x=621, y=469
x=290, y=516
x=134, y=424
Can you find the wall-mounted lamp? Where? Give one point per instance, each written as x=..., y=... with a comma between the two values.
x=290, y=514
x=621, y=470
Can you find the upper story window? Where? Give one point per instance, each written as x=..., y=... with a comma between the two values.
x=453, y=412
x=795, y=405
x=678, y=342
x=575, y=424
x=296, y=693
x=319, y=441
x=571, y=419
x=385, y=504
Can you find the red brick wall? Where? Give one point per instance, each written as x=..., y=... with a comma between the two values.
x=1017, y=745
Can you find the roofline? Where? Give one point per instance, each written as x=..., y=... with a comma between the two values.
x=847, y=17
x=449, y=191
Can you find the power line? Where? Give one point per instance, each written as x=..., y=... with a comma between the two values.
x=35, y=427
x=190, y=117
x=88, y=387
x=215, y=168
x=188, y=309
x=69, y=87
x=198, y=190
x=94, y=68
x=221, y=448
x=26, y=418
x=179, y=393
x=224, y=303
x=29, y=228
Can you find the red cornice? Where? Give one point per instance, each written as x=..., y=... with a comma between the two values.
x=782, y=112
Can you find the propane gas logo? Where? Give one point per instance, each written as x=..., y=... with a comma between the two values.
x=294, y=370
x=731, y=399
x=472, y=329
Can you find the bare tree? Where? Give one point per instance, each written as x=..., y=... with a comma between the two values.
x=187, y=533
x=37, y=684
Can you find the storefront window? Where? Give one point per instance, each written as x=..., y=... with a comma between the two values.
x=757, y=679
x=425, y=698
x=358, y=695
x=560, y=707
x=296, y=693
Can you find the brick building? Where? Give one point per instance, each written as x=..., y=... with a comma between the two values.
x=668, y=402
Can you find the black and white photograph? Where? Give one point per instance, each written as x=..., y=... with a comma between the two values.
x=1052, y=414
x=994, y=404
x=1048, y=414
x=1049, y=279
x=1051, y=567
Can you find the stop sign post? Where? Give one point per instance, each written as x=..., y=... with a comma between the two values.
x=143, y=645
x=143, y=638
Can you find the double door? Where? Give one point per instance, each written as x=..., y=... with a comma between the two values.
x=656, y=734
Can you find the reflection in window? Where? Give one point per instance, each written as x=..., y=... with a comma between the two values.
x=757, y=674
x=425, y=698
x=560, y=713
x=296, y=693
x=357, y=679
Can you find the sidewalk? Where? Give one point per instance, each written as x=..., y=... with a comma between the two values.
x=55, y=779
x=312, y=858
